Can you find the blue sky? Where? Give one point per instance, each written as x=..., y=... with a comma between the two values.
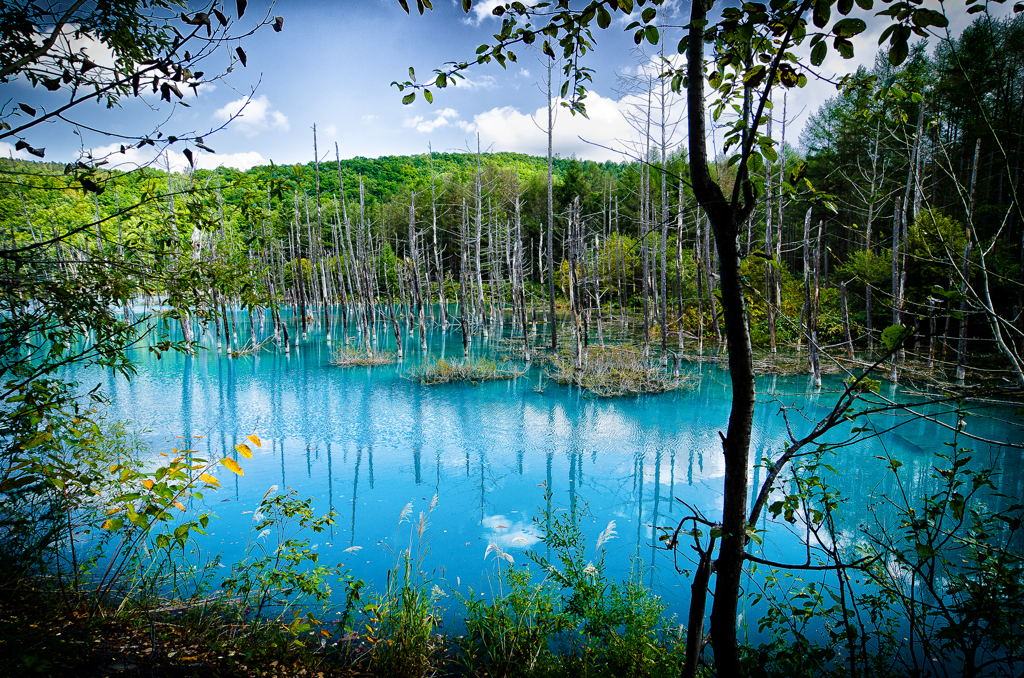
x=332, y=66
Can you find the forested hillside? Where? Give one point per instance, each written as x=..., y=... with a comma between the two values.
x=899, y=206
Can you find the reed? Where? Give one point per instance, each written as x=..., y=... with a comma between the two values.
x=615, y=371
x=473, y=370
x=361, y=356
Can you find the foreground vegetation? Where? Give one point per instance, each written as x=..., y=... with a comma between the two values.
x=561, y=614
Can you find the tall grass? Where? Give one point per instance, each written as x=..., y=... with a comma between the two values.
x=402, y=619
x=615, y=371
x=474, y=370
x=361, y=356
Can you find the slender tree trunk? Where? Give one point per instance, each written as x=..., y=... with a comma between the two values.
x=725, y=219
x=961, y=350
x=462, y=282
x=551, y=217
x=813, y=311
x=846, y=319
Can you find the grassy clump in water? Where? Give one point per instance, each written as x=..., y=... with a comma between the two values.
x=474, y=370
x=361, y=356
x=615, y=371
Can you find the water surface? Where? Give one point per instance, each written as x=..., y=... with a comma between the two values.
x=365, y=442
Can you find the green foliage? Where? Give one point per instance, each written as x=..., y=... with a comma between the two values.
x=509, y=634
x=949, y=563
x=933, y=582
x=615, y=628
x=866, y=267
x=280, y=571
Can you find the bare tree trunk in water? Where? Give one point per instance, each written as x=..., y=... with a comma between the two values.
x=551, y=219
x=848, y=340
x=815, y=304
x=462, y=284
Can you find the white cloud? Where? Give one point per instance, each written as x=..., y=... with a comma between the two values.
x=204, y=88
x=240, y=161
x=253, y=116
x=133, y=158
x=523, y=73
x=369, y=118
x=331, y=130
x=481, y=82
x=481, y=10
x=7, y=151
x=443, y=118
x=98, y=53
x=509, y=129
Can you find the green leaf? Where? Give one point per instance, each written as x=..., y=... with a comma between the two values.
x=652, y=34
x=845, y=7
x=625, y=5
x=894, y=335
x=649, y=14
x=428, y=96
x=113, y=524
x=604, y=19
x=467, y=5
x=898, y=52
x=754, y=76
x=409, y=98
x=844, y=47
x=162, y=541
x=822, y=12
x=818, y=53
x=847, y=28
x=755, y=163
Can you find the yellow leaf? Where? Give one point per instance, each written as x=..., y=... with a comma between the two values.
x=179, y=505
x=207, y=478
x=148, y=484
x=254, y=439
x=244, y=450
x=232, y=465
x=113, y=511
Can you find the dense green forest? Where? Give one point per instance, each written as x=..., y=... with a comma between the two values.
x=913, y=221
x=886, y=234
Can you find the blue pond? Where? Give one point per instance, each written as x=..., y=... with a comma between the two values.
x=366, y=442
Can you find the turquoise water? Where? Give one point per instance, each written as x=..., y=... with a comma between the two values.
x=366, y=442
